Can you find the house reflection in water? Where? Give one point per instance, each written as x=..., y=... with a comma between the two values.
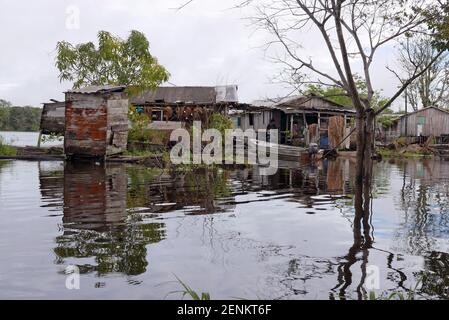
x=326, y=177
x=195, y=192
x=425, y=202
x=94, y=196
x=111, y=214
x=95, y=220
x=424, y=199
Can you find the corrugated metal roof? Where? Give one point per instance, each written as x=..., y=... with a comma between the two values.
x=98, y=89
x=187, y=95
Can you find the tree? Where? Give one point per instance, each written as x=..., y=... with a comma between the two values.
x=438, y=22
x=352, y=32
x=115, y=61
x=4, y=113
x=19, y=118
x=338, y=95
x=431, y=88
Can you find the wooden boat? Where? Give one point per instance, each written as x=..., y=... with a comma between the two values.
x=284, y=152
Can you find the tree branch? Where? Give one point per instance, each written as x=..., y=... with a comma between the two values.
x=408, y=82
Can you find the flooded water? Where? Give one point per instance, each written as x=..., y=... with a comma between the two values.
x=23, y=139
x=233, y=233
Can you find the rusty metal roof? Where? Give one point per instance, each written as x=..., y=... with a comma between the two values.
x=98, y=89
x=187, y=95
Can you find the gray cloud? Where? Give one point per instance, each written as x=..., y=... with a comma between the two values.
x=206, y=43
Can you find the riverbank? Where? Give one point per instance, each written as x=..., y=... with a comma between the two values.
x=8, y=152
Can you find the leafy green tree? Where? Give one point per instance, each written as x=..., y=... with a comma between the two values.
x=19, y=118
x=115, y=61
x=438, y=22
x=4, y=113
x=340, y=96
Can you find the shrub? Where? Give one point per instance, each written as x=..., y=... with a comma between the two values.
x=6, y=150
x=139, y=133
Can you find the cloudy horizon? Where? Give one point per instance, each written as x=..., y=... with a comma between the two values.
x=207, y=43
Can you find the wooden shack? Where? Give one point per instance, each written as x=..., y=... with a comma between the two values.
x=427, y=122
x=53, y=118
x=96, y=121
x=170, y=108
x=301, y=120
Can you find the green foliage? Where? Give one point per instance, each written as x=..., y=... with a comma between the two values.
x=334, y=94
x=142, y=153
x=437, y=18
x=221, y=123
x=139, y=132
x=19, y=118
x=398, y=295
x=115, y=61
x=52, y=137
x=190, y=292
x=6, y=150
x=386, y=120
x=340, y=96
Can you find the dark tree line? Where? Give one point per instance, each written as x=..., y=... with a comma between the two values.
x=14, y=118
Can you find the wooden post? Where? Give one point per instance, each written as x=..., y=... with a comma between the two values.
x=406, y=112
x=345, y=132
x=39, y=139
x=306, y=131
x=319, y=128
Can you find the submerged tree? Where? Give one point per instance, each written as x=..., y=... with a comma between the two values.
x=352, y=33
x=115, y=61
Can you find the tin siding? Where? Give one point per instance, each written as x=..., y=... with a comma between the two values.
x=86, y=125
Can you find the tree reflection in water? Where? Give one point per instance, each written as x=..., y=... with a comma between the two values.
x=105, y=230
x=97, y=225
x=425, y=202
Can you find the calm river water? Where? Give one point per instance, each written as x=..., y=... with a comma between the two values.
x=232, y=233
x=23, y=139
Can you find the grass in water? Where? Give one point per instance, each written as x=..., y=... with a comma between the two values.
x=188, y=291
x=409, y=295
x=6, y=150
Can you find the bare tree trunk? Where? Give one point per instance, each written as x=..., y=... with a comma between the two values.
x=364, y=164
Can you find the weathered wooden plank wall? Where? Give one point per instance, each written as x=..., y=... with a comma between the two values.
x=94, y=196
x=436, y=123
x=117, y=119
x=336, y=131
x=53, y=118
x=86, y=125
x=96, y=124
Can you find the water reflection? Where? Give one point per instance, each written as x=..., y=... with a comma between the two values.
x=425, y=203
x=197, y=192
x=303, y=232
x=95, y=221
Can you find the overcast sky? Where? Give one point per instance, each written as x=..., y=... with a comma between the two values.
x=205, y=43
